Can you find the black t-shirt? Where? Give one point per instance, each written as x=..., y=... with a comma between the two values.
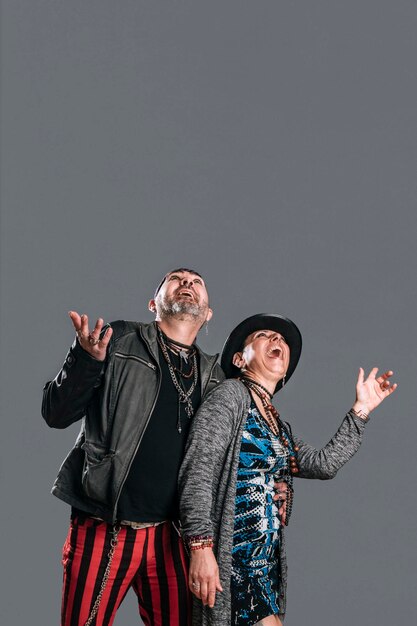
x=150, y=492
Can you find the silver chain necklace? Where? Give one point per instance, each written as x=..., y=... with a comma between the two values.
x=184, y=397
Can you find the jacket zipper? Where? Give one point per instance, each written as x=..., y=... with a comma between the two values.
x=135, y=358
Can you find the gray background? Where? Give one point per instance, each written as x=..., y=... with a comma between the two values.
x=270, y=145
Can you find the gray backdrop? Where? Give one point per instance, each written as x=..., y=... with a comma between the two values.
x=270, y=145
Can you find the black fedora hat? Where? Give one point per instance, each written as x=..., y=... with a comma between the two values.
x=262, y=321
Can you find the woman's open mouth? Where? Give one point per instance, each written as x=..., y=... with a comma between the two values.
x=274, y=353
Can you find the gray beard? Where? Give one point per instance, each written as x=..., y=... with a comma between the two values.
x=177, y=309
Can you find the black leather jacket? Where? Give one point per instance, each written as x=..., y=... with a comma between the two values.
x=115, y=400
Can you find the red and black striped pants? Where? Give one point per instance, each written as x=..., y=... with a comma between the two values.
x=150, y=560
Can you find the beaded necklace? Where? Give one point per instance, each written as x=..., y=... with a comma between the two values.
x=279, y=429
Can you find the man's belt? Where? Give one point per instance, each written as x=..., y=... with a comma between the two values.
x=138, y=525
x=134, y=525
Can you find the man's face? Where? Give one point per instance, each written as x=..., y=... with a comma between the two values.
x=182, y=294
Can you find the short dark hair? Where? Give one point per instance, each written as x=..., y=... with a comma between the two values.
x=178, y=269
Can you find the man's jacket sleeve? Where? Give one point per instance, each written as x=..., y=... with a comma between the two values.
x=67, y=396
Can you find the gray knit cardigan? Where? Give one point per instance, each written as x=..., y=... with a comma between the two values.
x=207, y=481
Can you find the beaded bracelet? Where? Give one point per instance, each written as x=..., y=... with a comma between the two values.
x=198, y=542
x=201, y=546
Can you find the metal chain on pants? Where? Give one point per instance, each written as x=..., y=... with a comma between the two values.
x=113, y=544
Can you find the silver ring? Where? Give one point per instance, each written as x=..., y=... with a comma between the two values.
x=195, y=585
x=92, y=340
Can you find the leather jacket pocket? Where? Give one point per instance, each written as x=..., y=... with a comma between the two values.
x=97, y=470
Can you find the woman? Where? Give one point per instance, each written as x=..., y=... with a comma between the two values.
x=237, y=449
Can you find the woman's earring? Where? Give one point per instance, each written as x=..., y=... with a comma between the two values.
x=283, y=381
x=206, y=328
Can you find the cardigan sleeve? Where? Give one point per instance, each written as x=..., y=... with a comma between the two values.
x=325, y=463
x=209, y=439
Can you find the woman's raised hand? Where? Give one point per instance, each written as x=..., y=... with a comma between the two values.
x=370, y=392
x=203, y=577
x=91, y=341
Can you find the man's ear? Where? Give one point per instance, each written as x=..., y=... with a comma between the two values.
x=209, y=315
x=238, y=360
x=152, y=306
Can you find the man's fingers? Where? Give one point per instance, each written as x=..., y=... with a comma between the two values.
x=83, y=331
x=75, y=319
x=106, y=337
x=94, y=336
x=90, y=340
x=97, y=328
x=280, y=495
x=280, y=490
x=372, y=373
x=361, y=376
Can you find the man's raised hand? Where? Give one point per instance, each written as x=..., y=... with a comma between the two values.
x=90, y=341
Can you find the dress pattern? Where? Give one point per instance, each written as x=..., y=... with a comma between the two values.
x=255, y=567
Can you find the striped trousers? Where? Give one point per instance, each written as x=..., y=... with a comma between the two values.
x=150, y=560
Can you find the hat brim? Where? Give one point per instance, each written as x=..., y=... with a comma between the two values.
x=262, y=321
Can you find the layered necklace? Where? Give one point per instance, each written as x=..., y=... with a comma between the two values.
x=188, y=355
x=280, y=430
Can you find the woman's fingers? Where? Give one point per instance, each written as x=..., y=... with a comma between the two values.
x=384, y=376
x=194, y=586
x=373, y=373
x=205, y=589
x=211, y=595
x=204, y=592
x=383, y=380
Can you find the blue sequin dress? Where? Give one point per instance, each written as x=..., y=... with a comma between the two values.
x=255, y=579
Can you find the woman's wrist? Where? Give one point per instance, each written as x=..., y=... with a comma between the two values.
x=201, y=553
x=199, y=542
x=361, y=411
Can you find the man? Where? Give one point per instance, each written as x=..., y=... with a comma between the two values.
x=135, y=386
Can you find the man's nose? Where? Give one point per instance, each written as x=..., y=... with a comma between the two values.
x=276, y=337
x=185, y=282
